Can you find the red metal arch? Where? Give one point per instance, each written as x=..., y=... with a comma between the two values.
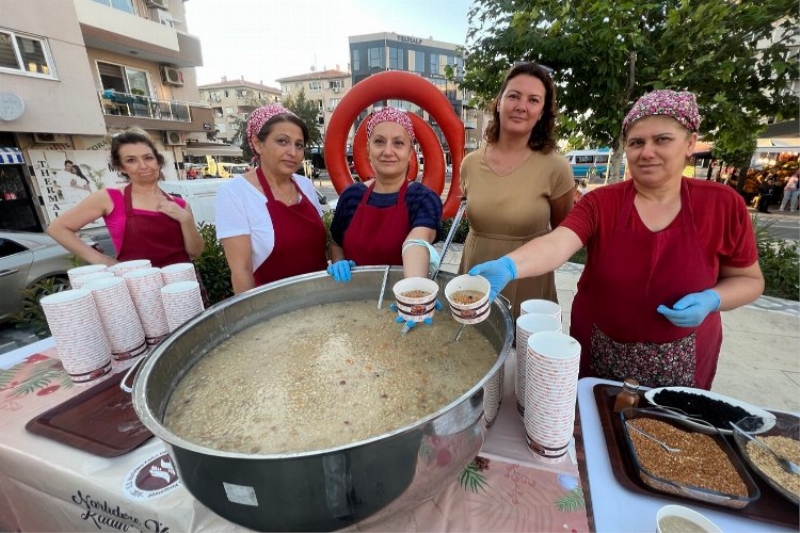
x=401, y=86
x=432, y=176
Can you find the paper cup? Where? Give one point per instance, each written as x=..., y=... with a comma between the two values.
x=73, y=273
x=127, y=266
x=551, y=389
x=81, y=344
x=468, y=297
x=182, y=301
x=79, y=281
x=415, y=307
x=527, y=325
x=145, y=285
x=674, y=518
x=121, y=323
x=543, y=307
x=178, y=272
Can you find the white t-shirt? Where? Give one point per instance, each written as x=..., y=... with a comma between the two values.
x=242, y=210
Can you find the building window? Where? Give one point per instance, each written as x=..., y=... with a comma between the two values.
x=433, y=64
x=336, y=84
x=419, y=61
x=122, y=5
x=314, y=85
x=332, y=103
x=397, y=58
x=123, y=79
x=356, y=60
x=375, y=58
x=25, y=53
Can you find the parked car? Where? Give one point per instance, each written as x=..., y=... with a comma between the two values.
x=27, y=258
x=314, y=171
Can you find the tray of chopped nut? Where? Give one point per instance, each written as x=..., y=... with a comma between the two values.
x=770, y=507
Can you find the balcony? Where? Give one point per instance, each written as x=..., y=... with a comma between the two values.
x=122, y=110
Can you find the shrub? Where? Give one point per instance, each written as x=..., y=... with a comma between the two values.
x=31, y=315
x=212, y=266
x=460, y=235
x=779, y=261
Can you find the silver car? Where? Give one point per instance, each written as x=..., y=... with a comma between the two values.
x=27, y=258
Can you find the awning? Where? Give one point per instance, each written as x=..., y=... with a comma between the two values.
x=11, y=156
x=200, y=151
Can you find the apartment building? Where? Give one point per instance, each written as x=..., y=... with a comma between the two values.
x=232, y=101
x=74, y=71
x=428, y=58
x=326, y=88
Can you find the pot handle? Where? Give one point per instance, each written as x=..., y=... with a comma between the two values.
x=131, y=371
x=505, y=301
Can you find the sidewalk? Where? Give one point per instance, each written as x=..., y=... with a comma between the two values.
x=760, y=361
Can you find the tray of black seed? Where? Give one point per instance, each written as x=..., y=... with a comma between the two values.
x=716, y=409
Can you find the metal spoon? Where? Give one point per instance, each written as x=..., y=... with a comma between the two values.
x=647, y=435
x=785, y=463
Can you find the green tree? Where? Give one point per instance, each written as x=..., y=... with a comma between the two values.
x=308, y=111
x=736, y=56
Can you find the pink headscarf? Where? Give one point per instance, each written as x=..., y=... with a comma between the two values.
x=258, y=118
x=391, y=114
x=682, y=106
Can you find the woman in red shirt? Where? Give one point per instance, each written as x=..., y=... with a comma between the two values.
x=665, y=254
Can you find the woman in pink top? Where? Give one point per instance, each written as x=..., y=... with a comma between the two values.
x=144, y=222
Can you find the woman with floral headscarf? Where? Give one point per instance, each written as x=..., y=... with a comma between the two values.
x=388, y=221
x=269, y=220
x=665, y=255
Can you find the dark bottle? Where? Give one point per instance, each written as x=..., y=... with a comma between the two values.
x=628, y=396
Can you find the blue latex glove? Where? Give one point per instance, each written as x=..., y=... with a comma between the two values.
x=498, y=272
x=692, y=309
x=340, y=270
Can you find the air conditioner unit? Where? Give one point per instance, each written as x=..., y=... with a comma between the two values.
x=171, y=76
x=161, y=4
x=174, y=138
x=335, y=89
x=47, y=138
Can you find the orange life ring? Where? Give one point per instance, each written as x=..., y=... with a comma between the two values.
x=402, y=86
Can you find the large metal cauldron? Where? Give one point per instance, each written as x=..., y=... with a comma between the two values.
x=328, y=489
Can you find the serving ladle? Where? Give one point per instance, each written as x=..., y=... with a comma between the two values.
x=784, y=463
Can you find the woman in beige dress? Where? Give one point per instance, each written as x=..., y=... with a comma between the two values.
x=517, y=185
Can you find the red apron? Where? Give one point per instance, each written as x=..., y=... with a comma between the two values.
x=156, y=237
x=627, y=277
x=300, y=238
x=375, y=236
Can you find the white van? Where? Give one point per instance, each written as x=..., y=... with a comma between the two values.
x=201, y=195
x=592, y=162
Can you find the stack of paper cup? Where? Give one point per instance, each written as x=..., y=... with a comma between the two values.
x=178, y=272
x=527, y=325
x=79, y=281
x=75, y=324
x=182, y=301
x=542, y=307
x=121, y=324
x=128, y=266
x=550, y=393
x=74, y=273
x=145, y=285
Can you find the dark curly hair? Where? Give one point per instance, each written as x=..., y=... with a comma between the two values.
x=132, y=136
x=543, y=135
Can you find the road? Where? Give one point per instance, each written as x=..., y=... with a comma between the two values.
x=783, y=225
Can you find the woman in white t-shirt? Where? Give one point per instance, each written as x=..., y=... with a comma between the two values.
x=269, y=220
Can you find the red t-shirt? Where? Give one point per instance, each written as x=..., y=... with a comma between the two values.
x=721, y=233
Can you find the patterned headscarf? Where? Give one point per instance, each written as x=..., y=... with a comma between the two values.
x=682, y=106
x=261, y=116
x=391, y=114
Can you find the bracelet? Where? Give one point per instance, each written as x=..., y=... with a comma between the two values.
x=433, y=255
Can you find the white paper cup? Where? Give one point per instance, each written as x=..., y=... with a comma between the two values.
x=121, y=323
x=182, y=301
x=527, y=325
x=469, y=312
x=73, y=273
x=79, y=281
x=81, y=344
x=543, y=307
x=145, y=285
x=411, y=308
x=677, y=513
x=127, y=266
x=178, y=272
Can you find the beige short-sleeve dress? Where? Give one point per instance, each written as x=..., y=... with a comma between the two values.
x=506, y=211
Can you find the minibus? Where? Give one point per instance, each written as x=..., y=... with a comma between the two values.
x=590, y=163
